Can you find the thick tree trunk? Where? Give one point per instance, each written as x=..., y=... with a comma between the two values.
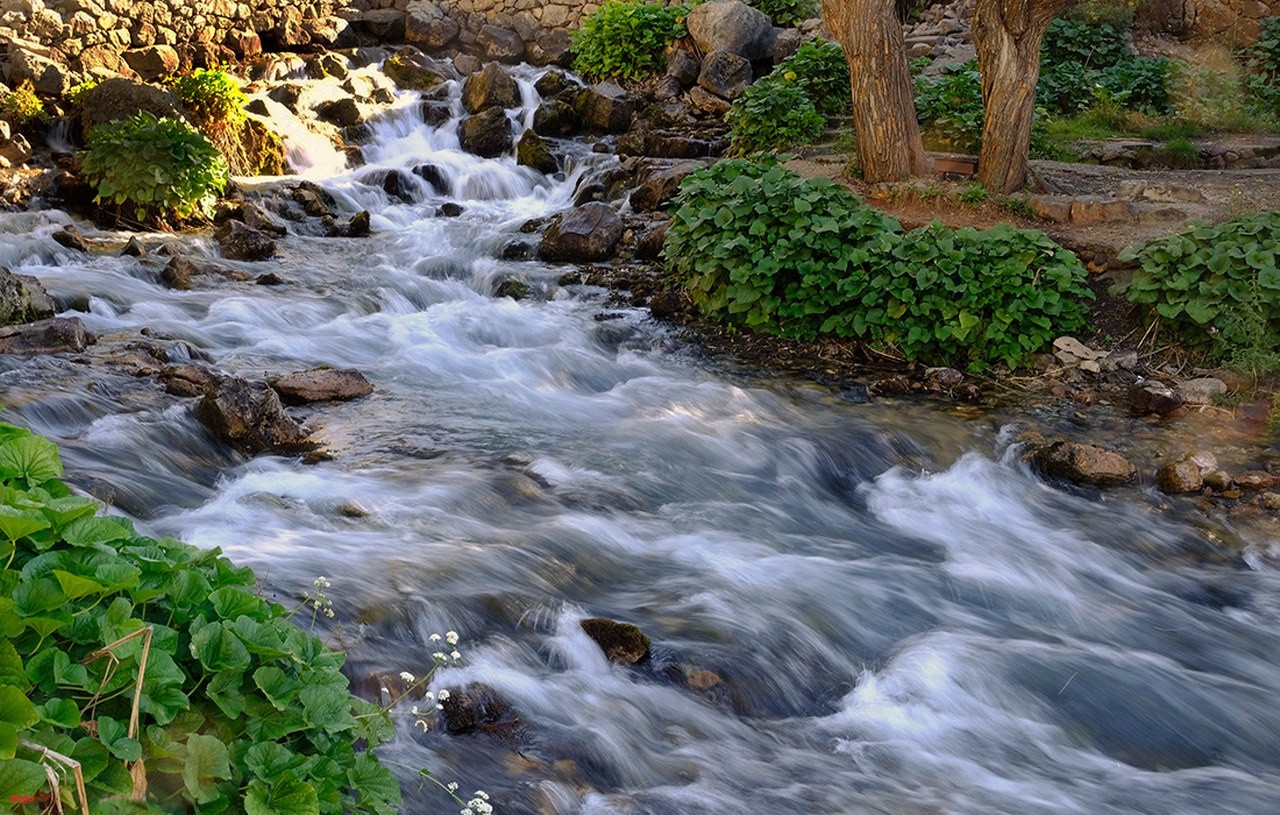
x=1007, y=35
x=884, y=110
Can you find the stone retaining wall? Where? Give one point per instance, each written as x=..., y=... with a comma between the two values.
x=1232, y=20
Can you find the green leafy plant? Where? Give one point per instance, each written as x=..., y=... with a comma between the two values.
x=627, y=40
x=1262, y=61
x=974, y=194
x=1091, y=45
x=758, y=246
x=787, y=12
x=1206, y=280
x=157, y=166
x=773, y=114
x=21, y=105
x=950, y=107
x=212, y=97
x=818, y=67
x=1138, y=83
x=155, y=666
x=77, y=92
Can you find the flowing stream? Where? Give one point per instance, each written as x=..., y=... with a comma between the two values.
x=855, y=608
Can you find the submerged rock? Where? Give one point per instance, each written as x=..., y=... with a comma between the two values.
x=71, y=238
x=321, y=385
x=1083, y=464
x=622, y=643
x=475, y=708
x=249, y=417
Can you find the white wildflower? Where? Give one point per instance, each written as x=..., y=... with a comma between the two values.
x=456, y=656
x=451, y=638
x=452, y=786
x=444, y=694
x=434, y=637
x=408, y=677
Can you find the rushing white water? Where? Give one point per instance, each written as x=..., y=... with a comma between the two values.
x=877, y=609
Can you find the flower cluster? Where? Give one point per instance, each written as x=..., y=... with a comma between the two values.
x=478, y=805
x=318, y=600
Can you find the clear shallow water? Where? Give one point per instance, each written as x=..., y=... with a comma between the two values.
x=901, y=618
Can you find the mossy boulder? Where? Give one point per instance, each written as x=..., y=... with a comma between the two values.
x=23, y=299
x=121, y=98
x=622, y=643
x=532, y=151
x=410, y=73
x=490, y=87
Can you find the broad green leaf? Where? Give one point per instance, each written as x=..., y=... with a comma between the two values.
x=373, y=723
x=285, y=796
x=20, y=777
x=75, y=586
x=11, y=672
x=225, y=690
x=16, y=709
x=91, y=530
x=207, y=764
x=378, y=788
x=269, y=759
x=276, y=685
x=218, y=649
x=113, y=735
x=232, y=601
x=37, y=596
x=8, y=741
x=17, y=523
x=31, y=457
x=60, y=712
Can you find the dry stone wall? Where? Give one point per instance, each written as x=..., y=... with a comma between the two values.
x=1232, y=20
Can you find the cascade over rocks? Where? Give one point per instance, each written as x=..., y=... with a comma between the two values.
x=491, y=87
x=588, y=233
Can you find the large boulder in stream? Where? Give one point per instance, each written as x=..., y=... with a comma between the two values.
x=583, y=235
x=532, y=151
x=486, y=134
x=321, y=385
x=53, y=336
x=249, y=417
x=23, y=299
x=1083, y=464
x=490, y=87
x=555, y=117
x=239, y=241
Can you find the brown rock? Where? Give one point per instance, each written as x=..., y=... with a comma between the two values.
x=1084, y=464
x=321, y=385
x=189, y=379
x=622, y=643
x=1182, y=476
x=1255, y=480
x=71, y=238
x=239, y=241
x=152, y=62
x=249, y=417
x=23, y=299
x=1153, y=397
x=53, y=336
x=477, y=707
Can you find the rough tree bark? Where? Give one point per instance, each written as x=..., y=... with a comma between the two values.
x=1007, y=35
x=884, y=109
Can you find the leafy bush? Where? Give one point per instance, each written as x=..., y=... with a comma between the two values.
x=212, y=97
x=1065, y=87
x=773, y=114
x=627, y=40
x=818, y=67
x=74, y=95
x=759, y=246
x=1200, y=280
x=155, y=666
x=951, y=107
x=159, y=166
x=21, y=105
x=1138, y=83
x=1262, y=60
x=787, y=12
x=1093, y=46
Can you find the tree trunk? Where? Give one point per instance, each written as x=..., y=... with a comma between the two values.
x=1007, y=35
x=884, y=109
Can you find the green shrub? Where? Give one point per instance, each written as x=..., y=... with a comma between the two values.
x=1138, y=83
x=1093, y=46
x=818, y=67
x=76, y=93
x=212, y=97
x=1065, y=87
x=237, y=709
x=756, y=245
x=21, y=105
x=787, y=12
x=1262, y=61
x=950, y=106
x=158, y=166
x=773, y=114
x=627, y=40
x=1202, y=279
